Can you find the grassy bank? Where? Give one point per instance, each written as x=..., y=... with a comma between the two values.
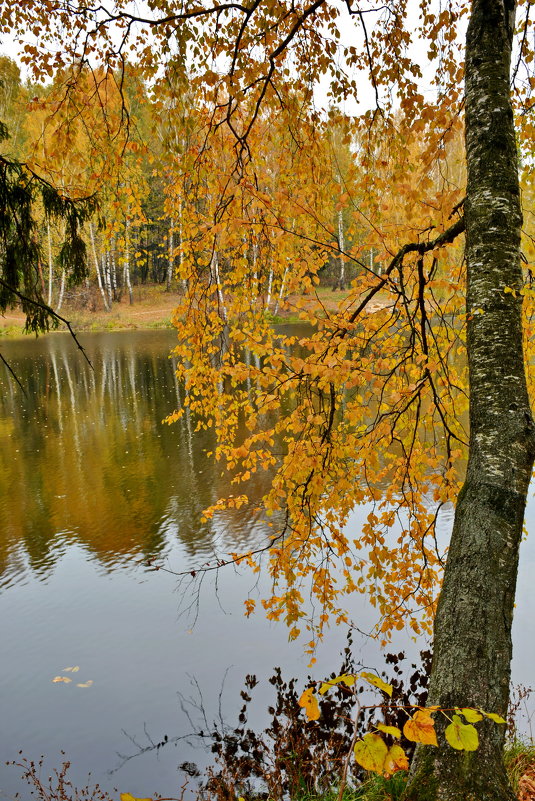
x=519, y=761
x=152, y=308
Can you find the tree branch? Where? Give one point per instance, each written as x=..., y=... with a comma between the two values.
x=49, y=310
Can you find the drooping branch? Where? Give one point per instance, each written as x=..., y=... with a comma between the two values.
x=445, y=238
x=49, y=311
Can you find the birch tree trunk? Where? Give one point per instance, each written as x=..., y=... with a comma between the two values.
x=170, y=258
x=112, y=270
x=281, y=292
x=97, y=268
x=216, y=279
x=472, y=636
x=126, y=269
x=107, y=277
x=341, y=283
x=269, y=286
x=50, y=264
x=61, y=290
x=179, y=254
x=254, y=297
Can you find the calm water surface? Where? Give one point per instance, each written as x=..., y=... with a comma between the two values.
x=92, y=483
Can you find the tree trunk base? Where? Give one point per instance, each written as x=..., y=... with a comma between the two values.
x=457, y=776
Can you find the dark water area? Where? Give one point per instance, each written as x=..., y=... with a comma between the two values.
x=92, y=484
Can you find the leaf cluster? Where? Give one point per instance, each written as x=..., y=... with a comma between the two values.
x=291, y=758
x=379, y=751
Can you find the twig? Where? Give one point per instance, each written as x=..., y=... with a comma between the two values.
x=347, y=760
x=15, y=376
x=51, y=312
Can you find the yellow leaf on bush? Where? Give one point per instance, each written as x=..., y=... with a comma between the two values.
x=310, y=704
x=64, y=679
x=421, y=728
x=396, y=759
x=129, y=797
x=371, y=752
x=461, y=736
x=345, y=678
x=392, y=730
x=493, y=716
x=371, y=678
x=86, y=684
x=471, y=715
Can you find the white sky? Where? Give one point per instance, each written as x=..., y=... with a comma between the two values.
x=350, y=34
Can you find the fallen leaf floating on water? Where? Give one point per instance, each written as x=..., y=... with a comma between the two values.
x=86, y=684
x=74, y=669
x=64, y=679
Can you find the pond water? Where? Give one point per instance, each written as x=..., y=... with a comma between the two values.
x=92, y=484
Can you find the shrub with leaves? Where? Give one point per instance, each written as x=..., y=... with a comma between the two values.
x=379, y=749
x=292, y=757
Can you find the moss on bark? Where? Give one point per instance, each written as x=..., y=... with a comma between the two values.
x=472, y=637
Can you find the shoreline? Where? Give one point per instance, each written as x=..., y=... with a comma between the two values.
x=152, y=308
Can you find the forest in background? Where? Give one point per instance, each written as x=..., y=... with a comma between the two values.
x=141, y=149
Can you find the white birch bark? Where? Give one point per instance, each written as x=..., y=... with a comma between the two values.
x=269, y=286
x=50, y=264
x=342, y=247
x=281, y=291
x=170, y=257
x=61, y=290
x=126, y=268
x=216, y=278
x=97, y=268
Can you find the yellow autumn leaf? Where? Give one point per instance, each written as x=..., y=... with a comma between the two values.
x=493, y=716
x=371, y=678
x=85, y=684
x=64, y=679
x=396, y=759
x=74, y=669
x=471, y=715
x=462, y=736
x=129, y=797
x=310, y=704
x=345, y=678
x=421, y=728
x=392, y=730
x=371, y=752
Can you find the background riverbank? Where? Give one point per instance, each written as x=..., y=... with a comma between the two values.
x=152, y=308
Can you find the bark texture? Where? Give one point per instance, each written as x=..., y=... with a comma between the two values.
x=472, y=636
